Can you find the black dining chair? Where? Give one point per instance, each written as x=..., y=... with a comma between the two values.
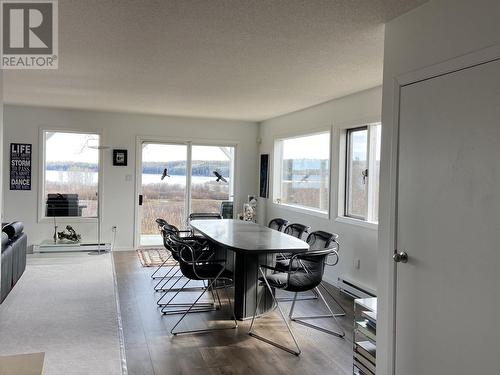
x=203, y=253
x=161, y=223
x=317, y=240
x=204, y=216
x=227, y=209
x=304, y=278
x=213, y=271
x=278, y=224
x=295, y=230
x=198, y=242
x=283, y=259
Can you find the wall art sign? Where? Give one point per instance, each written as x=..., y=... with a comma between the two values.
x=264, y=175
x=20, y=166
x=120, y=158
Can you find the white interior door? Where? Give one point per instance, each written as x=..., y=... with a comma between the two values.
x=448, y=294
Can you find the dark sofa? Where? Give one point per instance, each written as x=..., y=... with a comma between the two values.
x=14, y=247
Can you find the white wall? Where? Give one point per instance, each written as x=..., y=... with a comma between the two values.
x=2, y=169
x=118, y=130
x=433, y=33
x=358, y=242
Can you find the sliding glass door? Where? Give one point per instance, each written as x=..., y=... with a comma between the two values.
x=163, y=188
x=177, y=179
x=211, y=177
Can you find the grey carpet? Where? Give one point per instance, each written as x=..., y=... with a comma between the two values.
x=64, y=305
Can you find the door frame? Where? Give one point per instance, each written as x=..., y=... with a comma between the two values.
x=178, y=141
x=387, y=281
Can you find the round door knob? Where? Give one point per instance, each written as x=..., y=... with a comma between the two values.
x=400, y=257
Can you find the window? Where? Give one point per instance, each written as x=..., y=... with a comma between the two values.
x=302, y=177
x=208, y=191
x=71, y=174
x=362, y=172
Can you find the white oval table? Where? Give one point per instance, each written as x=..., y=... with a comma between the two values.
x=252, y=245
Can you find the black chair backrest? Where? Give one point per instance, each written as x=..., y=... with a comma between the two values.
x=311, y=275
x=320, y=240
x=161, y=222
x=166, y=231
x=185, y=255
x=297, y=230
x=227, y=210
x=278, y=224
x=204, y=216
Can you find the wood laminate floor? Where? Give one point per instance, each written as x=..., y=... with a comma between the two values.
x=151, y=349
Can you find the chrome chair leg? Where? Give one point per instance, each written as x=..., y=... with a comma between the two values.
x=301, y=319
x=167, y=276
x=200, y=307
x=266, y=340
x=343, y=313
x=211, y=285
x=304, y=298
x=153, y=276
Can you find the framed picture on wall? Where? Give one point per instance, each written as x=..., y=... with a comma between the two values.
x=120, y=158
x=264, y=175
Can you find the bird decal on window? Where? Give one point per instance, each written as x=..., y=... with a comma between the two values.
x=219, y=177
x=305, y=178
x=165, y=174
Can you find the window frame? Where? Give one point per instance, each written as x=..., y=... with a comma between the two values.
x=42, y=218
x=370, y=218
x=278, y=169
x=238, y=198
x=348, y=172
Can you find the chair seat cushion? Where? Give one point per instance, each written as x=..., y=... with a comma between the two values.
x=276, y=280
x=300, y=281
x=206, y=271
x=283, y=265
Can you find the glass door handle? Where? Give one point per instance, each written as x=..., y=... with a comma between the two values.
x=141, y=198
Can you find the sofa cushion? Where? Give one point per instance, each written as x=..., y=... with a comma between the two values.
x=14, y=229
x=6, y=274
x=19, y=257
x=5, y=240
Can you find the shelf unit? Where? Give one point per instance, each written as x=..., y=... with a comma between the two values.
x=365, y=336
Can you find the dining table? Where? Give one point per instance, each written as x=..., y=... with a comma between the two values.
x=252, y=245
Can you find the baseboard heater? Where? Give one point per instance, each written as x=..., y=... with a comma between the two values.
x=353, y=290
x=63, y=248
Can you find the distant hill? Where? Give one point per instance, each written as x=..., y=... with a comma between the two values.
x=200, y=167
x=64, y=166
x=178, y=168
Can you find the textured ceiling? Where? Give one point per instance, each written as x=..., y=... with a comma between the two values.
x=235, y=59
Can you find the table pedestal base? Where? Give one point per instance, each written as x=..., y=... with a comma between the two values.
x=246, y=285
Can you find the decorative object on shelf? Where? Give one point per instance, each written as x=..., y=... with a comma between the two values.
x=70, y=235
x=55, y=231
x=120, y=158
x=20, y=166
x=264, y=175
x=250, y=209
